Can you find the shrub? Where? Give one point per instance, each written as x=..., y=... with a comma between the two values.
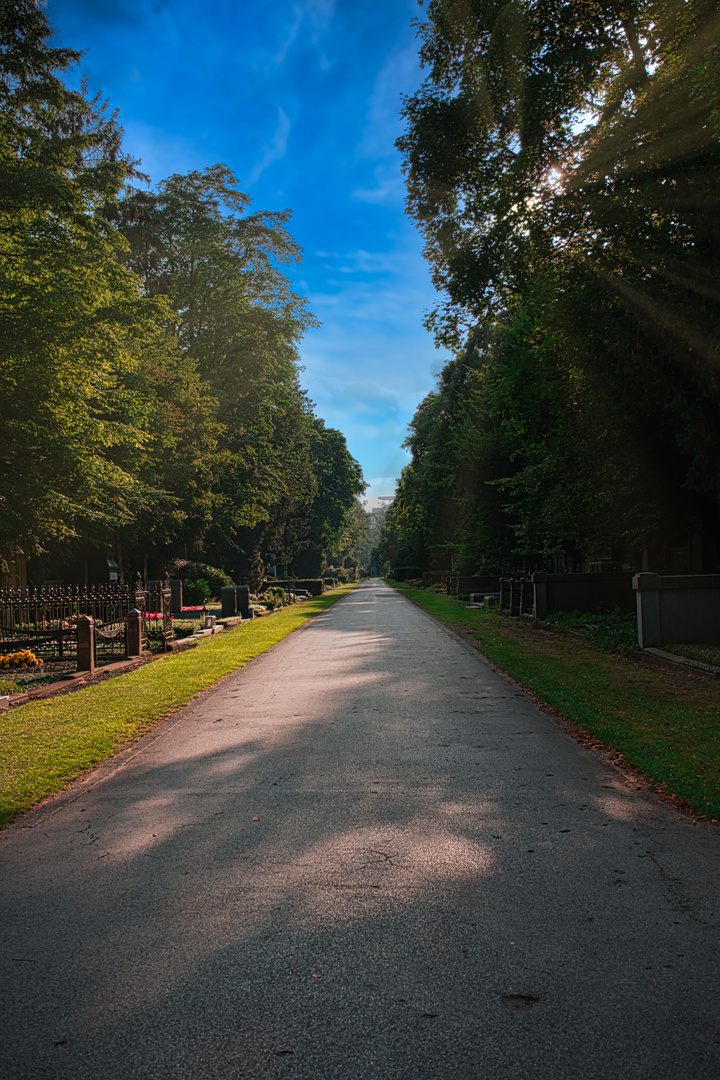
x=275, y=597
x=340, y=575
x=200, y=581
x=402, y=573
x=183, y=628
x=615, y=632
x=197, y=592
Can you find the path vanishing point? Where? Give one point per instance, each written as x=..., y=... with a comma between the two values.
x=364, y=855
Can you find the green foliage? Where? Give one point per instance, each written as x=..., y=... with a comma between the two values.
x=613, y=632
x=198, y=592
x=183, y=628
x=705, y=654
x=354, y=533
x=200, y=581
x=403, y=573
x=561, y=161
x=366, y=550
x=70, y=315
x=285, y=482
x=148, y=344
x=334, y=523
x=10, y=686
x=238, y=320
x=275, y=597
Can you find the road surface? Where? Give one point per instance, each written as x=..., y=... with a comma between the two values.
x=366, y=854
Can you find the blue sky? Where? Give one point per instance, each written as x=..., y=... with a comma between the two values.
x=301, y=98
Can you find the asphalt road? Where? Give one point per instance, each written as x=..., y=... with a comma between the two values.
x=365, y=855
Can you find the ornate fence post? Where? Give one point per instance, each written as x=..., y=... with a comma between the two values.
x=176, y=592
x=134, y=632
x=86, y=643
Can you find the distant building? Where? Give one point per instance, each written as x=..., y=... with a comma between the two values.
x=378, y=512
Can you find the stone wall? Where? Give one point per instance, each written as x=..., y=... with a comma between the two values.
x=602, y=592
x=677, y=609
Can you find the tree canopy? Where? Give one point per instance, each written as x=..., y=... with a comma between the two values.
x=76, y=337
x=562, y=162
x=148, y=343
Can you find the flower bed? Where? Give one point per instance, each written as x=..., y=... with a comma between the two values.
x=22, y=659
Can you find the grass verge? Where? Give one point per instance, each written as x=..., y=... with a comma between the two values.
x=45, y=745
x=664, y=724
x=706, y=654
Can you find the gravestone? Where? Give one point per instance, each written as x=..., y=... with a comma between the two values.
x=243, y=601
x=229, y=601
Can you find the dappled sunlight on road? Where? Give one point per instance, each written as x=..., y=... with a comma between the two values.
x=621, y=806
x=267, y=816
x=349, y=878
x=347, y=819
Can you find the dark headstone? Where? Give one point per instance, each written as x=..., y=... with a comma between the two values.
x=243, y=600
x=229, y=601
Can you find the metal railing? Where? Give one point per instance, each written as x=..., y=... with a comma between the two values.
x=517, y=596
x=45, y=619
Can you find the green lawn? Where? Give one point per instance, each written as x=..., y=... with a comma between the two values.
x=666, y=725
x=44, y=745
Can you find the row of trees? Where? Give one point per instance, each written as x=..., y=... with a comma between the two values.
x=148, y=347
x=562, y=163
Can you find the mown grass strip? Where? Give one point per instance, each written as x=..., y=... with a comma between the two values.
x=666, y=725
x=45, y=745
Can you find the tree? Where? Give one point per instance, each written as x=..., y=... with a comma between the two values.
x=238, y=320
x=149, y=342
x=77, y=339
x=354, y=535
x=562, y=163
x=339, y=481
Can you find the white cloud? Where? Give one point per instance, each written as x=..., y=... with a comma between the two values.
x=320, y=13
x=368, y=384
x=399, y=73
x=289, y=40
x=274, y=150
x=389, y=187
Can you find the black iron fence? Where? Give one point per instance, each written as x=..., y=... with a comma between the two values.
x=45, y=619
x=517, y=596
x=156, y=606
